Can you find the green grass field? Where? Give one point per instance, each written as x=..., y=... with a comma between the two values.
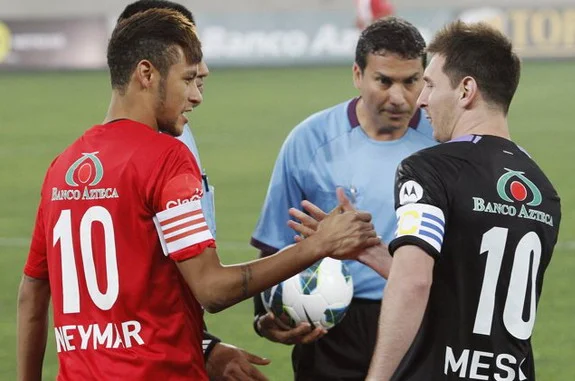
x=240, y=127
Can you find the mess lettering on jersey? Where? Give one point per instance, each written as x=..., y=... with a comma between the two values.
x=84, y=173
x=514, y=187
x=95, y=336
x=471, y=364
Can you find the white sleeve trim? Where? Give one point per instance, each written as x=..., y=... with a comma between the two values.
x=182, y=226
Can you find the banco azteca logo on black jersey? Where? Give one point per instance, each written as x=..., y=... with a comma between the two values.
x=519, y=187
x=519, y=194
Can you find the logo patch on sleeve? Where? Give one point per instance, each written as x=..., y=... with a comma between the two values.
x=410, y=193
x=180, y=190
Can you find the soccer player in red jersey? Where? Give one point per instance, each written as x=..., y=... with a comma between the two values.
x=223, y=361
x=120, y=243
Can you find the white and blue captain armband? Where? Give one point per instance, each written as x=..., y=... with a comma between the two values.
x=426, y=222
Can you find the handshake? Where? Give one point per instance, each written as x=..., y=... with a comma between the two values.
x=343, y=233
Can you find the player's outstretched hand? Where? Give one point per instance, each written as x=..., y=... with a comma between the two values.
x=345, y=231
x=274, y=330
x=308, y=222
x=343, y=236
x=377, y=257
x=227, y=362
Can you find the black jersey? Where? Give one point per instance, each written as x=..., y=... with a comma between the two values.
x=490, y=217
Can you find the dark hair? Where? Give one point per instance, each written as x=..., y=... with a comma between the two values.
x=482, y=52
x=152, y=35
x=390, y=35
x=144, y=5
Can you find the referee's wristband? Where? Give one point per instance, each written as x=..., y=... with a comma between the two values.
x=208, y=343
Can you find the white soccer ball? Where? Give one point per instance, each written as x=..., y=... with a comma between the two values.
x=319, y=295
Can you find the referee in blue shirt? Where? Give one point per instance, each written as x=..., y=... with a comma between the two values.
x=356, y=145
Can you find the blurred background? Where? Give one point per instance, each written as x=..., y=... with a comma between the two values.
x=272, y=64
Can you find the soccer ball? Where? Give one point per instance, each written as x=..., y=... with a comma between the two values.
x=319, y=295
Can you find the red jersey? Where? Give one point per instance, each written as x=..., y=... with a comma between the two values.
x=118, y=207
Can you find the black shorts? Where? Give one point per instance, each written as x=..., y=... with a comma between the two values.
x=345, y=352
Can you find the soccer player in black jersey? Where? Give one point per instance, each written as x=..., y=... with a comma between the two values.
x=477, y=224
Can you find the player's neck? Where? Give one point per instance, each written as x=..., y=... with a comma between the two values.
x=123, y=106
x=482, y=122
x=373, y=129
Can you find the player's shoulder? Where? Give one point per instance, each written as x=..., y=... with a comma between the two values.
x=453, y=149
x=170, y=143
x=149, y=142
x=127, y=139
x=442, y=159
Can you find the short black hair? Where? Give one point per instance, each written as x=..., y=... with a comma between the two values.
x=152, y=35
x=390, y=35
x=482, y=52
x=144, y=5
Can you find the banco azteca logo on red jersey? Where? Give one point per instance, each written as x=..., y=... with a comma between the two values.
x=87, y=168
x=84, y=173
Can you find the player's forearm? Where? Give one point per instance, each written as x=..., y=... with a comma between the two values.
x=401, y=315
x=259, y=308
x=33, y=301
x=378, y=259
x=239, y=282
x=32, y=336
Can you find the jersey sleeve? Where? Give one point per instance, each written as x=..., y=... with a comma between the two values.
x=421, y=202
x=179, y=218
x=37, y=263
x=284, y=191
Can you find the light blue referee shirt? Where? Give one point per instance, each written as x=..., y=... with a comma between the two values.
x=329, y=150
x=208, y=205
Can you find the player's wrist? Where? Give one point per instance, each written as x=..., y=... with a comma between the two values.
x=317, y=246
x=257, y=325
x=209, y=342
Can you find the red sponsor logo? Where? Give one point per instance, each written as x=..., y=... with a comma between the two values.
x=181, y=190
x=173, y=203
x=518, y=191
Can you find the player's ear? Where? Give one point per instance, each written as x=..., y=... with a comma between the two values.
x=357, y=75
x=144, y=73
x=467, y=90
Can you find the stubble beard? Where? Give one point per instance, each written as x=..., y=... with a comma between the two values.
x=164, y=125
x=388, y=129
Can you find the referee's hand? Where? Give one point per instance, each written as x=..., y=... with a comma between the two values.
x=274, y=330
